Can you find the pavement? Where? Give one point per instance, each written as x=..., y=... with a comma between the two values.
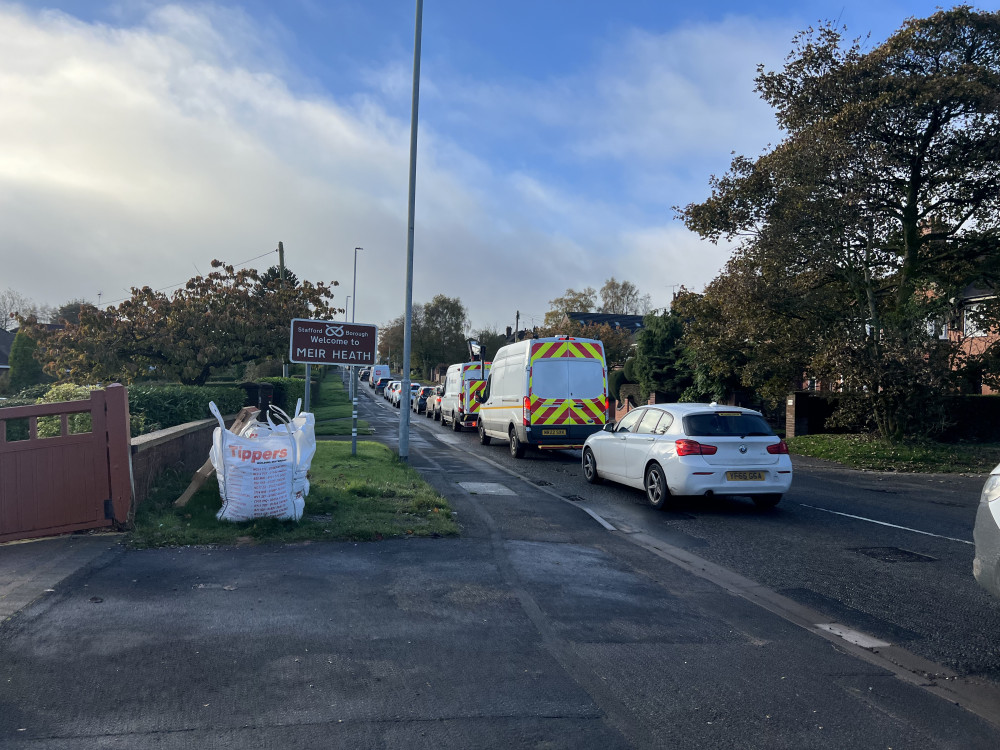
x=539, y=628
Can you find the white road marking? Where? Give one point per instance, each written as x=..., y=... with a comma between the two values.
x=852, y=636
x=486, y=488
x=890, y=525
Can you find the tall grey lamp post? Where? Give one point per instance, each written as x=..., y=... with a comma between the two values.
x=354, y=379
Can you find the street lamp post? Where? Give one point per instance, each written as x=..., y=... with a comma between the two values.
x=354, y=379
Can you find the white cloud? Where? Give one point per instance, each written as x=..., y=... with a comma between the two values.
x=134, y=154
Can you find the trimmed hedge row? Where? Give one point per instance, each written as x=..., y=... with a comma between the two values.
x=170, y=405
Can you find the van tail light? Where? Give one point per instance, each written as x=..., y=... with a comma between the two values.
x=526, y=411
x=694, y=448
x=781, y=447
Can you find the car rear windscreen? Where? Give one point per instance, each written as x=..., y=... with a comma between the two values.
x=725, y=424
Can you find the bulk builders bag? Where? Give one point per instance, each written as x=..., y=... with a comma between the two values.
x=256, y=472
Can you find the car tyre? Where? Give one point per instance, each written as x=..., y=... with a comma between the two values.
x=484, y=439
x=516, y=446
x=765, y=502
x=590, y=467
x=455, y=424
x=655, y=483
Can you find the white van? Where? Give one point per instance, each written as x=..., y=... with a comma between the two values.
x=545, y=393
x=463, y=383
x=377, y=371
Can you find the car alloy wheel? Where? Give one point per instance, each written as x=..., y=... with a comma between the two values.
x=590, y=467
x=656, y=486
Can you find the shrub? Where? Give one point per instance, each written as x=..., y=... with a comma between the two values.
x=289, y=390
x=169, y=405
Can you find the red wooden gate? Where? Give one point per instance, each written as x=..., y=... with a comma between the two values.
x=52, y=485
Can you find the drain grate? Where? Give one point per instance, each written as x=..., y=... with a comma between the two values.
x=894, y=554
x=542, y=483
x=575, y=498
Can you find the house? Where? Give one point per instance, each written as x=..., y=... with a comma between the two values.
x=973, y=337
x=631, y=323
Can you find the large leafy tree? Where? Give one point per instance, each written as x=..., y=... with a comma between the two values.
x=622, y=298
x=866, y=222
x=442, y=335
x=216, y=320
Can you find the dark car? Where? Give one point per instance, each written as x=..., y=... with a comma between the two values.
x=419, y=400
x=380, y=384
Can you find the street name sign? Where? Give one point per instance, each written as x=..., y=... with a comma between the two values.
x=328, y=342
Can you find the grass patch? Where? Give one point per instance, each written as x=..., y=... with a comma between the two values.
x=333, y=410
x=875, y=454
x=366, y=497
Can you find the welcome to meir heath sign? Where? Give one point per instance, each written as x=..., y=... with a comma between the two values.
x=328, y=342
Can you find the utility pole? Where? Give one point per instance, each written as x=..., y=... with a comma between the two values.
x=281, y=275
x=517, y=323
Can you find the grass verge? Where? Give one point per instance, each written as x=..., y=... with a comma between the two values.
x=367, y=497
x=875, y=454
x=333, y=410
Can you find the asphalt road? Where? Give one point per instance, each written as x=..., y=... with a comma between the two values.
x=542, y=626
x=887, y=554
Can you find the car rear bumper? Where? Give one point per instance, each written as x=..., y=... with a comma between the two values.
x=707, y=480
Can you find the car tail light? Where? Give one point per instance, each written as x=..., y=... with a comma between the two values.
x=526, y=412
x=694, y=448
x=780, y=447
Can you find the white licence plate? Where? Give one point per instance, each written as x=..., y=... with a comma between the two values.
x=745, y=476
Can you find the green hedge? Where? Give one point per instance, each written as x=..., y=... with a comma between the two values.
x=170, y=405
x=974, y=418
x=289, y=390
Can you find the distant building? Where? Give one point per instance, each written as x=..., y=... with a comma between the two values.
x=631, y=323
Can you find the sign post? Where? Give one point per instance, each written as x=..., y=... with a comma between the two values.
x=328, y=342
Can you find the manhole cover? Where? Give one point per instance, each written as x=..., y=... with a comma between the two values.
x=894, y=554
x=485, y=488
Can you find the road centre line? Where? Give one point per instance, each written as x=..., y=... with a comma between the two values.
x=890, y=525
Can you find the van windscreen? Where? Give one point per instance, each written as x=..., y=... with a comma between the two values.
x=566, y=377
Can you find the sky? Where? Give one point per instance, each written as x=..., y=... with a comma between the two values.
x=140, y=140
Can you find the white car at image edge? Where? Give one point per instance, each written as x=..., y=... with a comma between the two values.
x=691, y=449
x=986, y=565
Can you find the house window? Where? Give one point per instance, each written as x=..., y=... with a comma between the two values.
x=971, y=326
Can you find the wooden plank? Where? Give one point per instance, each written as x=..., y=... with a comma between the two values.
x=246, y=416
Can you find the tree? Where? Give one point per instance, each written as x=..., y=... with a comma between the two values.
x=660, y=364
x=442, y=335
x=25, y=369
x=875, y=211
x=13, y=303
x=70, y=312
x=623, y=298
x=571, y=301
x=216, y=320
x=271, y=278
x=490, y=340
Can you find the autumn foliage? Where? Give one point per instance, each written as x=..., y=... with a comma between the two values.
x=225, y=318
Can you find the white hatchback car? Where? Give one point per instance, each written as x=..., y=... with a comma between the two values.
x=691, y=449
x=986, y=565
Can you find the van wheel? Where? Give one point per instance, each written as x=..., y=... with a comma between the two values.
x=437, y=416
x=455, y=424
x=516, y=446
x=590, y=467
x=656, y=486
x=484, y=439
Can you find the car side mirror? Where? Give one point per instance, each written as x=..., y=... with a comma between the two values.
x=609, y=427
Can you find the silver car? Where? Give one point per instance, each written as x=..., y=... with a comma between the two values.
x=986, y=565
